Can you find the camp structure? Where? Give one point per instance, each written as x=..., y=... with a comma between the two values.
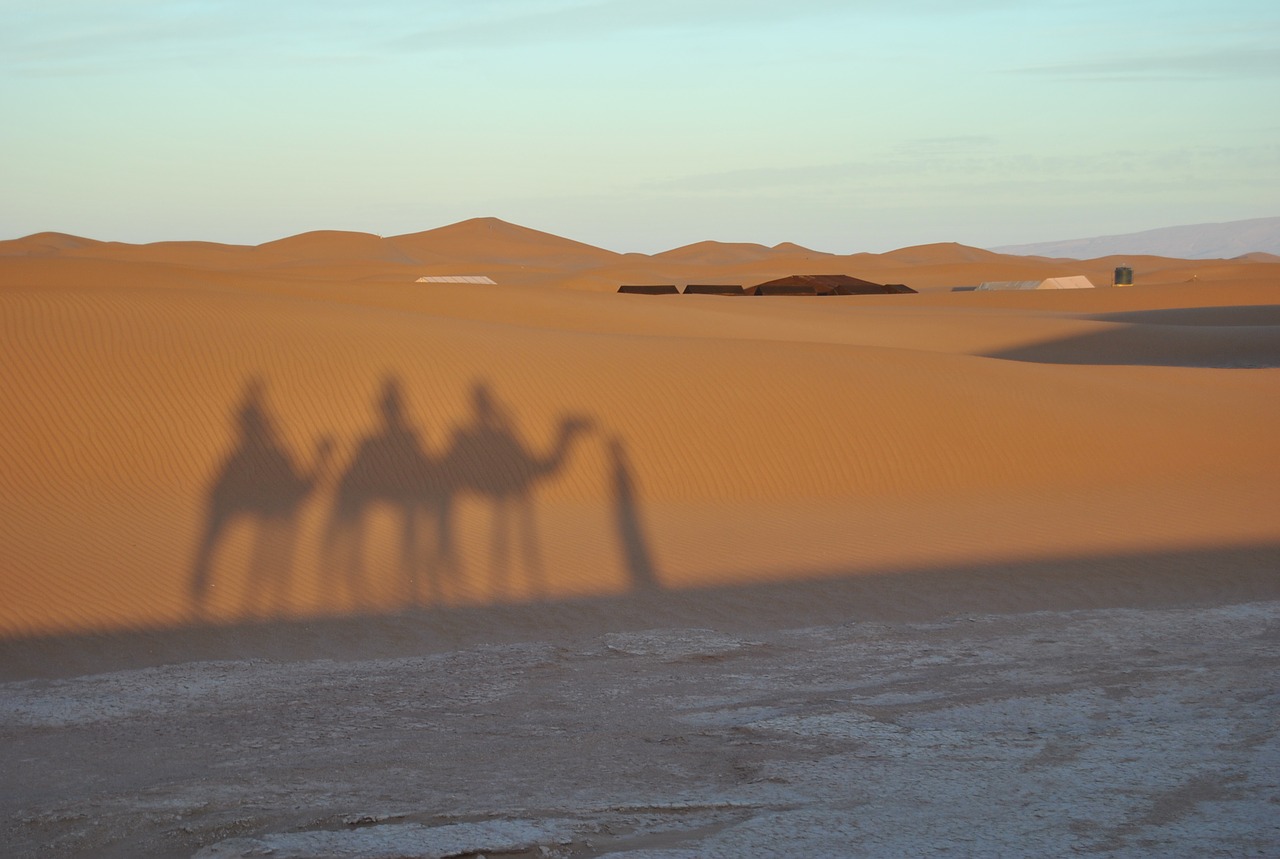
x=787, y=289
x=826, y=284
x=650, y=289
x=455, y=278
x=714, y=289
x=1078, y=281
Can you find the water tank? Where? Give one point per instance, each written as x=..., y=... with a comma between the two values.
x=1124, y=276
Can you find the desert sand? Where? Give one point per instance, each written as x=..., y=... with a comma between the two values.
x=301, y=555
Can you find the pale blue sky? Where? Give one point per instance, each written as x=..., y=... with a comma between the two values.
x=638, y=125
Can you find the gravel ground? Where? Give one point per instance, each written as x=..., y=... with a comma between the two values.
x=1109, y=733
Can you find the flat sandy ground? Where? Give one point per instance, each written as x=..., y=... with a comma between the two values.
x=300, y=556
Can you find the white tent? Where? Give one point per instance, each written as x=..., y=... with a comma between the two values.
x=455, y=278
x=1078, y=281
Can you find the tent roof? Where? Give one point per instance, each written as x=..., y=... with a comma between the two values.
x=650, y=289
x=714, y=289
x=1077, y=281
x=455, y=278
x=826, y=284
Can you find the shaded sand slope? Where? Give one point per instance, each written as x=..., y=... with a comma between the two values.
x=193, y=446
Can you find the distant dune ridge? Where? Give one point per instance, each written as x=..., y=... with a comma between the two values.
x=202, y=437
x=1193, y=241
x=519, y=256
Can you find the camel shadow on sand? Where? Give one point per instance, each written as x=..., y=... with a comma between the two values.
x=259, y=485
x=390, y=523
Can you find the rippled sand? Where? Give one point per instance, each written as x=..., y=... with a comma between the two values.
x=294, y=452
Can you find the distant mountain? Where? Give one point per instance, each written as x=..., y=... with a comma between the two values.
x=1193, y=241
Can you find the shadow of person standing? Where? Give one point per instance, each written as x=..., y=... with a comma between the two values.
x=391, y=470
x=488, y=459
x=259, y=482
x=636, y=556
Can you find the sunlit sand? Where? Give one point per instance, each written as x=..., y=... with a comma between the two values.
x=296, y=451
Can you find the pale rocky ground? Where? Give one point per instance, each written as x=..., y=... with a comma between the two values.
x=1108, y=733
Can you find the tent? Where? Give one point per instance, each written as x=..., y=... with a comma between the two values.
x=455, y=278
x=714, y=289
x=1078, y=281
x=826, y=284
x=650, y=289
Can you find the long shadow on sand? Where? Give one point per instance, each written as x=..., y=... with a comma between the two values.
x=1174, y=341
x=391, y=470
x=1228, y=316
x=390, y=537
x=629, y=521
x=1221, y=576
x=488, y=459
x=259, y=484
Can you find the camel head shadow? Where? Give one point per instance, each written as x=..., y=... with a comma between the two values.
x=487, y=456
x=488, y=460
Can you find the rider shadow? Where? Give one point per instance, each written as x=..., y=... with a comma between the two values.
x=488, y=460
x=391, y=473
x=390, y=541
x=259, y=484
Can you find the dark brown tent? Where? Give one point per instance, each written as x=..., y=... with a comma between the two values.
x=714, y=289
x=826, y=284
x=786, y=289
x=651, y=289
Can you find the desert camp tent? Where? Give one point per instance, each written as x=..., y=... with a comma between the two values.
x=714, y=289
x=650, y=289
x=454, y=278
x=826, y=284
x=787, y=289
x=1078, y=281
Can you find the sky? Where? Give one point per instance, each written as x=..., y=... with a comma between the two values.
x=638, y=125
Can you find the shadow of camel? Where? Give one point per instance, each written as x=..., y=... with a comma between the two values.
x=488, y=459
x=390, y=540
x=258, y=482
x=391, y=470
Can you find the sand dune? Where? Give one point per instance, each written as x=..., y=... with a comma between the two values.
x=301, y=556
x=496, y=241
x=46, y=244
x=737, y=253
x=524, y=257
x=333, y=246
x=942, y=253
x=191, y=443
